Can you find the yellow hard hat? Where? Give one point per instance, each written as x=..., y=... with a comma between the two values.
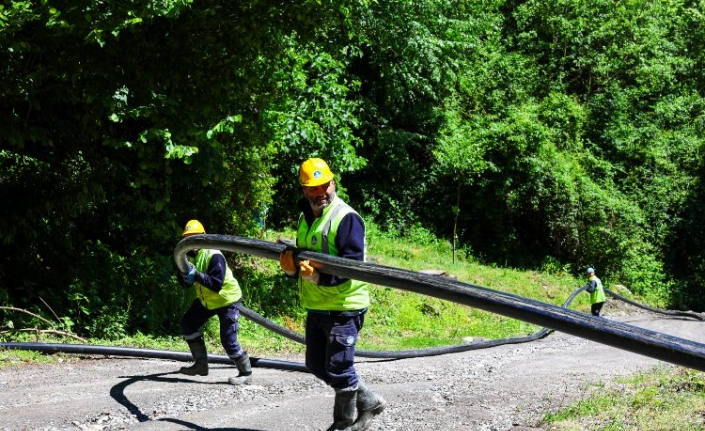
x=193, y=227
x=314, y=172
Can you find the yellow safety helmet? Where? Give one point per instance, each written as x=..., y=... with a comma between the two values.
x=193, y=227
x=314, y=172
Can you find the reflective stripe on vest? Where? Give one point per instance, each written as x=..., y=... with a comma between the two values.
x=325, y=247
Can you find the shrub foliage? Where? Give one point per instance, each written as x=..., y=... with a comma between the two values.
x=525, y=132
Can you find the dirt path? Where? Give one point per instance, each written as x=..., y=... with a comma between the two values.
x=503, y=388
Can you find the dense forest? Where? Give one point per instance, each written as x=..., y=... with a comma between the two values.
x=532, y=134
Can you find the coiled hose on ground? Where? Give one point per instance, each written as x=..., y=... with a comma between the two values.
x=660, y=346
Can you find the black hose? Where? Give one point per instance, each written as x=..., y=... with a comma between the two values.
x=403, y=354
x=147, y=353
x=657, y=310
x=616, y=334
x=638, y=338
x=396, y=354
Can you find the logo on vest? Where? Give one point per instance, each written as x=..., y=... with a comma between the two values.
x=314, y=240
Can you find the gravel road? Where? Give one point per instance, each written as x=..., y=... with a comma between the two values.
x=502, y=388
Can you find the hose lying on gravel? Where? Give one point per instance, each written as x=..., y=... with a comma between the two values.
x=398, y=354
x=689, y=314
x=147, y=353
x=401, y=354
x=649, y=343
x=616, y=334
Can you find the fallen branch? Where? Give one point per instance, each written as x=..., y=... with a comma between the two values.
x=2, y=307
x=37, y=330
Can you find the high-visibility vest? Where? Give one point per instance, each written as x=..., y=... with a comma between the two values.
x=320, y=237
x=598, y=295
x=229, y=293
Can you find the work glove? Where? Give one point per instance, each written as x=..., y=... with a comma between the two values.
x=286, y=261
x=190, y=278
x=308, y=272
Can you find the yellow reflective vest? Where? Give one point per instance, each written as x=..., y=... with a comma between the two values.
x=229, y=293
x=320, y=237
x=598, y=295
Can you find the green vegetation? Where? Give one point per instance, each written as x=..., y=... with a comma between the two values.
x=508, y=143
x=397, y=320
x=521, y=133
x=666, y=398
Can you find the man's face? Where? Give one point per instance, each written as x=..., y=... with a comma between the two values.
x=191, y=253
x=319, y=197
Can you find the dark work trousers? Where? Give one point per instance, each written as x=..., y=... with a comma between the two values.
x=595, y=308
x=330, y=347
x=197, y=315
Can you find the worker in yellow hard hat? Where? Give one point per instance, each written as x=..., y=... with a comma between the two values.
x=218, y=293
x=335, y=305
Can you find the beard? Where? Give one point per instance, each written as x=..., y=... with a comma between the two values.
x=319, y=203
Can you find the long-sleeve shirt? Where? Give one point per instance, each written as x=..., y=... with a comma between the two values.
x=212, y=278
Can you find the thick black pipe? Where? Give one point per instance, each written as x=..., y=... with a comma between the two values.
x=434, y=351
x=397, y=354
x=620, y=335
x=148, y=353
x=688, y=314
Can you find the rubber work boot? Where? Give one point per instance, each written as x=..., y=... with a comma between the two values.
x=243, y=365
x=369, y=405
x=200, y=355
x=343, y=410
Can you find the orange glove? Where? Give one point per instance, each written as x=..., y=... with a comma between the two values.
x=286, y=261
x=308, y=272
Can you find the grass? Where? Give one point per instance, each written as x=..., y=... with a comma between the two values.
x=10, y=358
x=667, y=398
x=405, y=320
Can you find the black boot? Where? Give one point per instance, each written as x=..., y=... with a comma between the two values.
x=200, y=355
x=369, y=405
x=243, y=365
x=343, y=410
